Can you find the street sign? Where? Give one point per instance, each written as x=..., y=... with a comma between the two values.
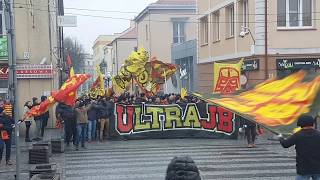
x=67, y=21
x=4, y=48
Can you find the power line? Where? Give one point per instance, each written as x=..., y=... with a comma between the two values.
x=162, y=21
x=131, y=12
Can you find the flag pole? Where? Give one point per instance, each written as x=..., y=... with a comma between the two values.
x=238, y=113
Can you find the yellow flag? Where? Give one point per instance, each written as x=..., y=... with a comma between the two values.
x=71, y=72
x=277, y=102
x=183, y=93
x=226, y=78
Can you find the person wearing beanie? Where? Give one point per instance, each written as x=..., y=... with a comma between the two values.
x=182, y=168
x=307, y=144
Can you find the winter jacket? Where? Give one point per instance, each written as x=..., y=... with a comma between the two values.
x=93, y=112
x=8, y=109
x=307, y=143
x=7, y=123
x=103, y=111
x=36, y=118
x=65, y=112
x=25, y=110
x=182, y=168
x=82, y=115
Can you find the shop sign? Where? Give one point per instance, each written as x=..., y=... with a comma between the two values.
x=305, y=63
x=29, y=72
x=251, y=65
x=4, y=48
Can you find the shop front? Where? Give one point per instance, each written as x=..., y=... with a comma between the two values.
x=287, y=66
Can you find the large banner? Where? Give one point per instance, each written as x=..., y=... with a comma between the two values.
x=174, y=121
x=226, y=77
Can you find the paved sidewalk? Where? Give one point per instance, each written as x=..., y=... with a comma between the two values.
x=8, y=172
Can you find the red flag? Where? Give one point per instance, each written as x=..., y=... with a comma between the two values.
x=67, y=91
x=69, y=60
x=41, y=108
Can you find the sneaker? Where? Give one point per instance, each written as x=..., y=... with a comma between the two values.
x=77, y=148
x=9, y=163
x=27, y=140
x=84, y=147
x=254, y=146
x=250, y=146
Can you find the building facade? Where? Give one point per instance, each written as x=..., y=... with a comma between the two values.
x=276, y=38
x=164, y=23
x=122, y=47
x=88, y=68
x=99, y=49
x=165, y=29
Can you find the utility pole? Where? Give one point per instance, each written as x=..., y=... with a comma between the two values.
x=9, y=19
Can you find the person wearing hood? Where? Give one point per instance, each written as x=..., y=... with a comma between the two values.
x=44, y=118
x=307, y=144
x=28, y=120
x=182, y=168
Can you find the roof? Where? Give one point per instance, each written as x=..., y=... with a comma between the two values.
x=131, y=34
x=168, y=5
x=176, y=2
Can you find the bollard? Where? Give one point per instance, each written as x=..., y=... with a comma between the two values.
x=38, y=155
x=47, y=144
x=57, y=145
x=46, y=177
x=42, y=169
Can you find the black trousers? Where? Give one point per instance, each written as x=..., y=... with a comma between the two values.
x=28, y=125
x=70, y=126
x=44, y=123
x=6, y=143
x=251, y=133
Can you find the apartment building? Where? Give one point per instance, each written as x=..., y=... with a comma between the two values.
x=38, y=50
x=167, y=29
x=99, y=49
x=121, y=47
x=276, y=38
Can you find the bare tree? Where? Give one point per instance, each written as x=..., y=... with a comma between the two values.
x=76, y=51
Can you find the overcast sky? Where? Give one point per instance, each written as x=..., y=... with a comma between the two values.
x=89, y=28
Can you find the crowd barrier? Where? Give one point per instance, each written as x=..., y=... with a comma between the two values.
x=173, y=121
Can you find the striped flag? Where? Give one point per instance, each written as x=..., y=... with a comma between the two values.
x=275, y=102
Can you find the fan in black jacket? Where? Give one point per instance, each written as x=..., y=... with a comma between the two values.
x=6, y=131
x=307, y=144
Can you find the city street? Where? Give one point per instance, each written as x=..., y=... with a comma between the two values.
x=148, y=159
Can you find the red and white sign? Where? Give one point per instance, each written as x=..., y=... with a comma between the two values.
x=29, y=71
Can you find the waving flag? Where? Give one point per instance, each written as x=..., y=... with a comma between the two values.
x=66, y=94
x=275, y=102
x=42, y=108
x=98, y=86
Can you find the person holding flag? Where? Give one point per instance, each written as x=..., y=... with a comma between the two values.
x=307, y=144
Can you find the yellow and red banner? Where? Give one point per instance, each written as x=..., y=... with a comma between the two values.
x=66, y=95
x=226, y=77
x=275, y=102
x=148, y=75
x=97, y=89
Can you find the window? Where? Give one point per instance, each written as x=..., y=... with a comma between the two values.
x=147, y=32
x=294, y=13
x=245, y=13
x=216, y=26
x=178, y=32
x=230, y=20
x=204, y=30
